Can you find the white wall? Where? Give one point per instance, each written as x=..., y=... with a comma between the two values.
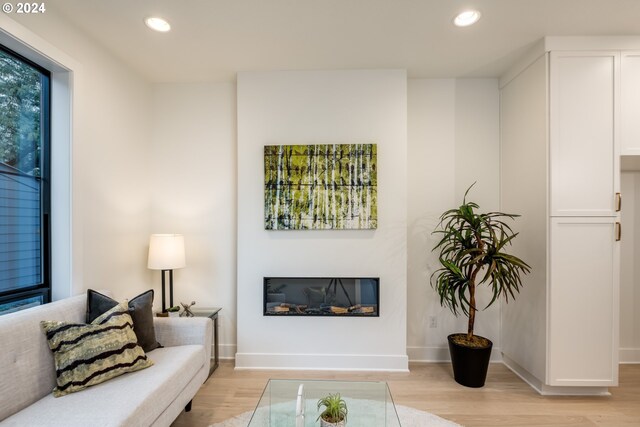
x=195, y=191
x=477, y=152
x=162, y=158
x=524, y=161
x=453, y=140
x=111, y=200
x=629, y=268
x=306, y=107
x=193, y=172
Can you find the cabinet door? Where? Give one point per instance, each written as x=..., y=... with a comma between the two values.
x=583, y=302
x=582, y=152
x=630, y=100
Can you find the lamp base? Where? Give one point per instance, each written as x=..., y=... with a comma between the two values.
x=164, y=303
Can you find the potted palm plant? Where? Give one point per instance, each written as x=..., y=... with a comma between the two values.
x=335, y=411
x=472, y=253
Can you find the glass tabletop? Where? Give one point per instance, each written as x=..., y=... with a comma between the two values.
x=294, y=403
x=205, y=311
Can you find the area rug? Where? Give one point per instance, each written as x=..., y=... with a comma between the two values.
x=409, y=417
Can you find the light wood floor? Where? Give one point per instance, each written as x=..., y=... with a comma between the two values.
x=504, y=400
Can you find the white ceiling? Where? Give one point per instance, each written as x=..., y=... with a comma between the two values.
x=214, y=39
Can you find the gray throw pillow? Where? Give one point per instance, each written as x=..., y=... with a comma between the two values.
x=140, y=309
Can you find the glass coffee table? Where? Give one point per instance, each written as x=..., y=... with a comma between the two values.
x=294, y=403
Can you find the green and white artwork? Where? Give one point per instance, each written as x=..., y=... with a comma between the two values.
x=320, y=187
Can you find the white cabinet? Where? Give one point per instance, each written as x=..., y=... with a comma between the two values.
x=583, y=253
x=630, y=103
x=560, y=152
x=582, y=133
x=583, y=300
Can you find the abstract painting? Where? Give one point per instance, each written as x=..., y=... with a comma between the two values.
x=320, y=187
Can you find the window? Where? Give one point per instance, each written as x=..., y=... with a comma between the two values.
x=24, y=183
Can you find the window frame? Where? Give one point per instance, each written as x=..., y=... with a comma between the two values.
x=42, y=289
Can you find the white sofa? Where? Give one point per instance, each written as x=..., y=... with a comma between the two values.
x=151, y=397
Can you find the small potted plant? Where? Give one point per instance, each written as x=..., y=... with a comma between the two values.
x=472, y=253
x=335, y=411
x=174, y=311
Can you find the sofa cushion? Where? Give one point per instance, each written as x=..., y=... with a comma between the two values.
x=136, y=399
x=140, y=309
x=26, y=363
x=87, y=355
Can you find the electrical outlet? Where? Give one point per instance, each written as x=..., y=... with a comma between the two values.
x=433, y=322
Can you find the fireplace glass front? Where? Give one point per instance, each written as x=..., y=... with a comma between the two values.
x=328, y=296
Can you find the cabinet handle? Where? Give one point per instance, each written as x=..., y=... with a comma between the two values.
x=618, y=202
x=618, y=231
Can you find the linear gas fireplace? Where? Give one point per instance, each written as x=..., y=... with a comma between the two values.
x=326, y=296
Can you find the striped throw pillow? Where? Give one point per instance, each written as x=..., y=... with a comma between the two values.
x=86, y=355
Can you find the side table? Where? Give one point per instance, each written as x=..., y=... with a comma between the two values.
x=211, y=313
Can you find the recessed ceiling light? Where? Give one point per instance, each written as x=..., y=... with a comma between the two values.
x=466, y=18
x=157, y=24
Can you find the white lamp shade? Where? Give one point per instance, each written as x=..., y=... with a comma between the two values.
x=166, y=252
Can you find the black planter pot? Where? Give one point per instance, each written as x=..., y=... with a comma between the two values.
x=469, y=364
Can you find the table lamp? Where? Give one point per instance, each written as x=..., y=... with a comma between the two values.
x=166, y=253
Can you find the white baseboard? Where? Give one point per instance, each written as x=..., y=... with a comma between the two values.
x=324, y=362
x=548, y=390
x=630, y=355
x=441, y=354
x=524, y=375
x=226, y=351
